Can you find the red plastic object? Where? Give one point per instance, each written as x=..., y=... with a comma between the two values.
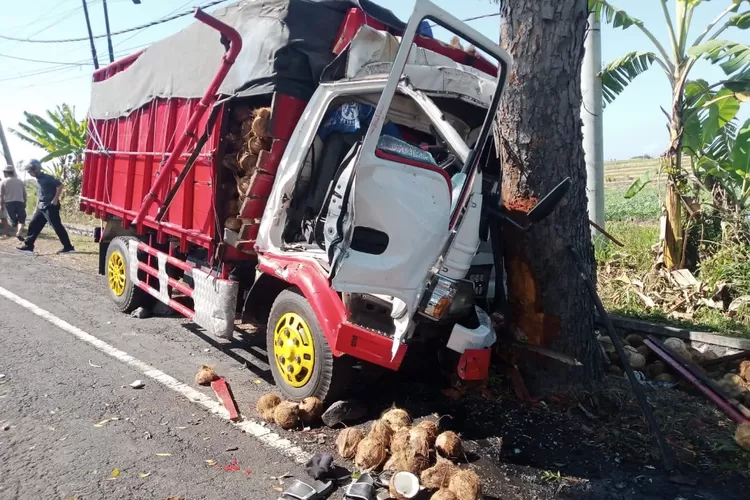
x=474, y=364
x=224, y=392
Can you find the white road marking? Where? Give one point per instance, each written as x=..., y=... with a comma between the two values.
x=264, y=434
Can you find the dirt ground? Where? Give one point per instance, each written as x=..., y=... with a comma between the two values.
x=584, y=446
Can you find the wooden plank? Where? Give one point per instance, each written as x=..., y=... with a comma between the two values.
x=680, y=333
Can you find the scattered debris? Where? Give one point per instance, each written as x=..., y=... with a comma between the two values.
x=115, y=473
x=224, y=393
x=143, y=475
x=205, y=375
x=232, y=448
x=163, y=454
x=6, y=427
x=210, y=462
x=105, y=421
x=137, y=384
x=93, y=365
x=141, y=313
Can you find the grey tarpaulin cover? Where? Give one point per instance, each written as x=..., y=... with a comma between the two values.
x=286, y=46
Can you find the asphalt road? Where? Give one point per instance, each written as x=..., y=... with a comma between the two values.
x=55, y=389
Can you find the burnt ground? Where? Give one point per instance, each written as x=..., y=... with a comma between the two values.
x=593, y=446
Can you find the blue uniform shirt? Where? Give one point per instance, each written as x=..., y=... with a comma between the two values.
x=47, y=187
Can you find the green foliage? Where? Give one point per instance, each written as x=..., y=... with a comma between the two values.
x=620, y=72
x=62, y=137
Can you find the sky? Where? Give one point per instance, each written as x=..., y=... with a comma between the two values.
x=633, y=124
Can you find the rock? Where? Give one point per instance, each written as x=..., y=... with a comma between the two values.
x=634, y=340
x=636, y=360
x=343, y=411
x=141, y=313
x=137, y=384
x=695, y=355
x=6, y=427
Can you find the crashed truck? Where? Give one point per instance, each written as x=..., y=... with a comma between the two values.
x=316, y=166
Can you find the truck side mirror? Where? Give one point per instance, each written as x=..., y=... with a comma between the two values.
x=547, y=205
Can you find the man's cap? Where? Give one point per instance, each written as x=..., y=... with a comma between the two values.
x=9, y=169
x=33, y=165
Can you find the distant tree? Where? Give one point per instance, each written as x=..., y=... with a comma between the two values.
x=62, y=137
x=713, y=113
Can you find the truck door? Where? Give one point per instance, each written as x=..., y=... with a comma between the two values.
x=390, y=214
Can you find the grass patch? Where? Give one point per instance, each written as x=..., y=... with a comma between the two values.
x=69, y=212
x=645, y=206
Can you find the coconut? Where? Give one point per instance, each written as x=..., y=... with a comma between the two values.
x=695, y=355
x=382, y=432
x=255, y=145
x=655, y=369
x=347, y=441
x=286, y=415
x=419, y=441
x=396, y=418
x=744, y=371
x=444, y=494
x=439, y=475
x=371, y=454
x=709, y=355
x=403, y=485
x=634, y=339
x=407, y=460
x=233, y=206
x=432, y=430
x=247, y=162
x=465, y=485
x=644, y=351
x=742, y=436
x=310, y=409
x=615, y=370
x=400, y=440
x=664, y=377
x=449, y=445
x=636, y=360
x=205, y=375
x=731, y=388
x=243, y=184
x=266, y=406
x=233, y=223
x=678, y=347
x=261, y=119
x=606, y=342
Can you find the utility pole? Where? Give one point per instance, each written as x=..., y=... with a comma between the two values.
x=6, y=149
x=592, y=114
x=91, y=35
x=109, y=36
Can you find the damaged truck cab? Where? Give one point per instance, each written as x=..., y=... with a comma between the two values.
x=346, y=221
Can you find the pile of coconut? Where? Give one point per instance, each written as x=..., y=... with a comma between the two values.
x=733, y=377
x=395, y=444
x=288, y=414
x=248, y=135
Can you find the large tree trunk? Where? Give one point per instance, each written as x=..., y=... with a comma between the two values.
x=540, y=133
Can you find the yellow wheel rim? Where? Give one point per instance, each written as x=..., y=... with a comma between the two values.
x=116, y=273
x=294, y=349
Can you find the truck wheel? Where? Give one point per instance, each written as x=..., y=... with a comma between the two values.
x=298, y=353
x=126, y=296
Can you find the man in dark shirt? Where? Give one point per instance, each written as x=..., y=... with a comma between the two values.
x=48, y=209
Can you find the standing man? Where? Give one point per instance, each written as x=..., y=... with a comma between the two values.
x=48, y=209
x=13, y=198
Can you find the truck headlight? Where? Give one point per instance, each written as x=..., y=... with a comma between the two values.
x=448, y=297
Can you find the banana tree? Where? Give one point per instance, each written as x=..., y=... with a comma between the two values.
x=677, y=61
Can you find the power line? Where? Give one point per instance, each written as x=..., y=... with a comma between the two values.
x=121, y=32
x=44, y=61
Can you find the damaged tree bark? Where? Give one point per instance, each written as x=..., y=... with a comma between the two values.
x=540, y=136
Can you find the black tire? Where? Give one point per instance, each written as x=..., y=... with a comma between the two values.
x=132, y=297
x=329, y=374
